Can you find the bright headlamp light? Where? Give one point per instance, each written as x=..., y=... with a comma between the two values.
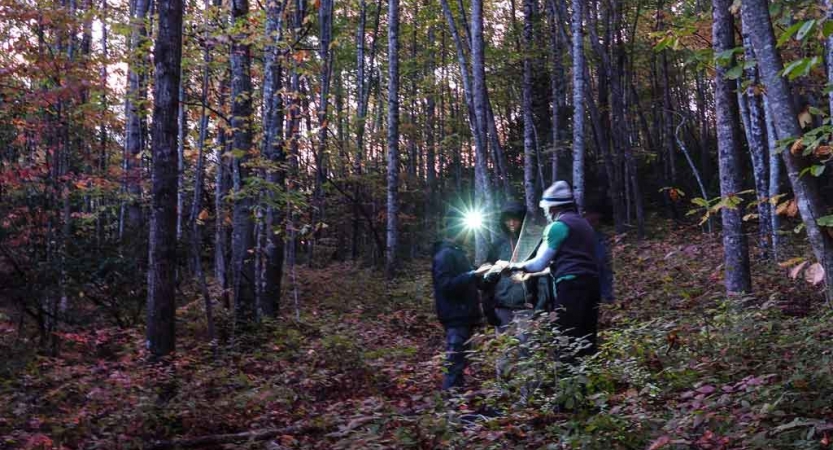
x=473, y=220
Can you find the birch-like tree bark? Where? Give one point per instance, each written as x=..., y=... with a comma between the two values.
x=530, y=191
x=393, y=139
x=735, y=247
x=810, y=203
x=774, y=183
x=578, y=101
x=757, y=141
x=161, y=306
x=482, y=193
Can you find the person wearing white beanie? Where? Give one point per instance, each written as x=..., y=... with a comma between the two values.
x=568, y=251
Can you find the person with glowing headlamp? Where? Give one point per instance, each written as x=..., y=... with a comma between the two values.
x=456, y=284
x=568, y=253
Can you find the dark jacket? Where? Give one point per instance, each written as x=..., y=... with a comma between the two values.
x=605, y=267
x=577, y=254
x=455, y=286
x=505, y=292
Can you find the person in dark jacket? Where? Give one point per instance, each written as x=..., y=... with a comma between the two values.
x=456, y=295
x=603, y=256
x=508, y=296
x=568, y=250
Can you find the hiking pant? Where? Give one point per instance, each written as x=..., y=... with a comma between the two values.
x=577, y=306
x=456, y=339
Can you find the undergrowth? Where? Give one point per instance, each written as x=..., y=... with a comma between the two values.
x=680, y=366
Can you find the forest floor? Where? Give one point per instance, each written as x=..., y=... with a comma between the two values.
x=680, y=366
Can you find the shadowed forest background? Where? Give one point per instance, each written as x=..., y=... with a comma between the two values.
x=216, y=219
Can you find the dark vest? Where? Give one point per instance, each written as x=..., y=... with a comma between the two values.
x=577, y=254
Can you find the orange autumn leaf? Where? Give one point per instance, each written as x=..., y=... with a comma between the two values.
x=797, y=147
x=823, y=150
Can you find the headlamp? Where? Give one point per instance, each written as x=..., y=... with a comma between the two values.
x=473, y=220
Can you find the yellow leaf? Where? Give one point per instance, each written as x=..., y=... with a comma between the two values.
x=790, y=262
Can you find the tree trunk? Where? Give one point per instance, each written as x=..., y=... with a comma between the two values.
x=464, y=73
x=774, y=182
x=735, y=248
x=221, y=188
x=393, y=139
x=196, y=205
x=135, y=126
x=482, y=193
x=828, y=44
x=325, y=19
x=272, y=150
x=578, y=101
x=161, y=306
x=180, y=149
x=758, y=147
x=784, y=114
x=558, y=92
x=530, y=191
x=242, y=240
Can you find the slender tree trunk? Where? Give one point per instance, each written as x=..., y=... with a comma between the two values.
x=578, y=102
x=735, y=248
x=430, y=127
x=703, y=129
x=530, y=191
x=182, y=133
x=810, y=203
x=558, y=91
x=774, y=183
x=393, y=139
x=221, y=188
x=272, y=149
x=241, y=112
x=829, y=53
x=758, y=147
x=103, y=137
x=196, y=205
x=162, y=255
x=135, y=127
x=482, y=193
x=464, y=72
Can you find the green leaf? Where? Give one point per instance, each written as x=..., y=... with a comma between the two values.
x=817, y=112
x=826, y=221
x=805, y=29
x=817, y=169
x=734, y=73
x=798, y=229
x=700, y=202
x=827, y=28
x=800, y=67
x=788, y=33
